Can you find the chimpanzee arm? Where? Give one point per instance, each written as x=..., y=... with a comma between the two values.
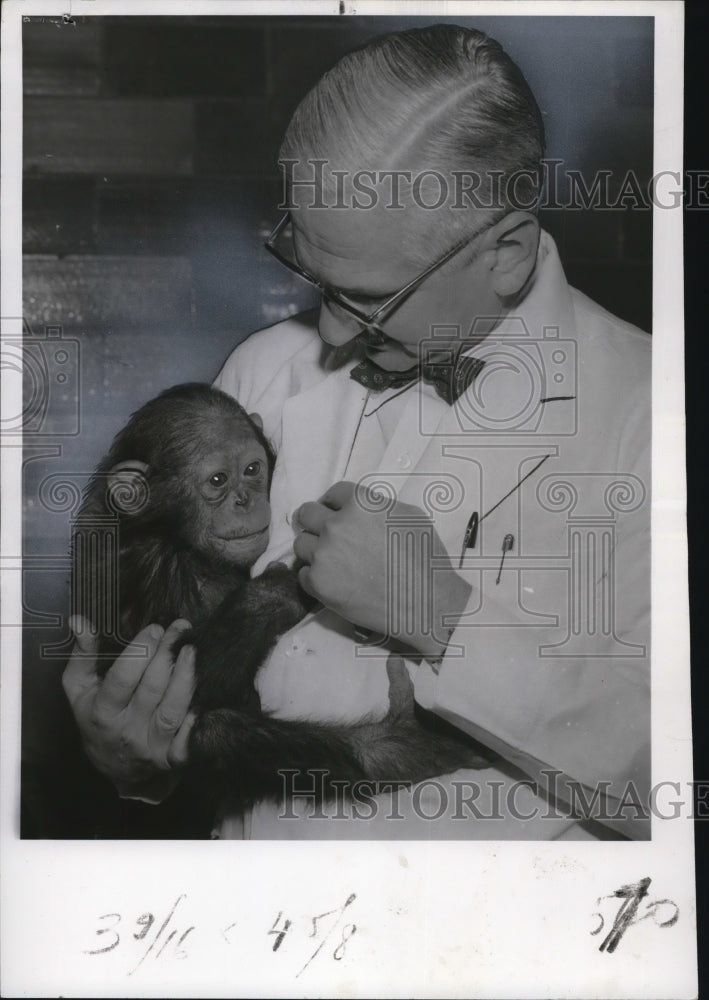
x=251, y=750
x=411, y=744
x=236, y=638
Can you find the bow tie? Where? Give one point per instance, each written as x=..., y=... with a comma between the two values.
x=449, y=380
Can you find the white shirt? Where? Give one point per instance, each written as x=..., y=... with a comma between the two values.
x=585, y=716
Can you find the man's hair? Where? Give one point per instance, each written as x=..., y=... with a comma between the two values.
x=436, y=98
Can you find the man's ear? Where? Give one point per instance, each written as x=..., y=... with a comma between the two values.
x=255, y=418
x=514, y=244
x=127, y=487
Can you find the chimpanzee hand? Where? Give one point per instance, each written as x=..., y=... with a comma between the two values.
x=135, y=721
x=401, y=692
x=410, y=745
x=343, y=543
x=280, y=586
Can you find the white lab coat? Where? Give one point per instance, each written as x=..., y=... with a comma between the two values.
x=550, y=667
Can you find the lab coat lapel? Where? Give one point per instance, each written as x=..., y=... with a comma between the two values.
x=410, y=440
x=318, y=430
x=477, y=461
x=319, y=427
x=446, y=478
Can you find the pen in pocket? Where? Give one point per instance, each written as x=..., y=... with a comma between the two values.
x=470, y=537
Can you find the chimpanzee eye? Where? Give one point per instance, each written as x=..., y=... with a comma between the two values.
x=253, y=469
x=218, y=479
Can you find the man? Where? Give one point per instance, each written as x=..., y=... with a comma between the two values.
x=497, y=423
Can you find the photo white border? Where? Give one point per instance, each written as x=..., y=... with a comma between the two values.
x=433, y=919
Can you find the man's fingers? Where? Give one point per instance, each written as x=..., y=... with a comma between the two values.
x=304, y=546
x=80, y=672
x=338, y=495
x=85, y=635
x=304, y=581
x=172, y=710
x=178, y=752
x=120, y=682
x=313, y=517
x=158, y=672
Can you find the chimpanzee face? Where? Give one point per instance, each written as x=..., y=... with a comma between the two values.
x=229, y=483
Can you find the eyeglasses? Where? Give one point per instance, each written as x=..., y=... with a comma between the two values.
x=368, y=320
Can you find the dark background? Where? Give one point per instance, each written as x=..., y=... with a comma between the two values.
x=696, y=269
x=150, y=185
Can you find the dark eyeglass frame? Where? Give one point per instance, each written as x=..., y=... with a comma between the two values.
x=341, y=300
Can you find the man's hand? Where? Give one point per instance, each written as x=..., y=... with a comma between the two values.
x=348, y=569
x=135, y=721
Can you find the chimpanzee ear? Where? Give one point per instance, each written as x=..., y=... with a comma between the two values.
x=256, y=419
x=127, y=488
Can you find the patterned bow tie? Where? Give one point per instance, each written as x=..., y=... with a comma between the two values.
x=449, y=380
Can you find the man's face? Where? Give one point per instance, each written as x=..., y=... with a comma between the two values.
x=369, y=255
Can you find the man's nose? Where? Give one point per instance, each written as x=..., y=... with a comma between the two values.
x=335, y=326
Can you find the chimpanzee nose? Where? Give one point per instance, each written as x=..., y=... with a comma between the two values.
x=241, y=496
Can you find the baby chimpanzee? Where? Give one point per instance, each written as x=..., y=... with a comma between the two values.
x=186, y=485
